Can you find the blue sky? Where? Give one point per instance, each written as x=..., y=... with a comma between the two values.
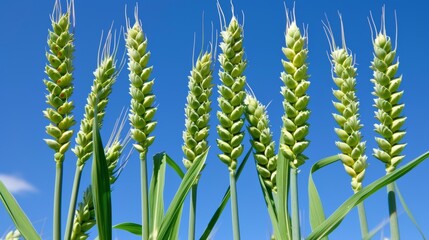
x=27, y=164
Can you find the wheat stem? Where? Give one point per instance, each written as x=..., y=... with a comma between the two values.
x=144, y=195
x=296, y=231
x=73, y=200
x=234, y=206
x=192, y=212
x=362, y=220
x=57, y=201
x=393, y=215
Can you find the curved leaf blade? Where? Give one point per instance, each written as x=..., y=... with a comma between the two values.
x=101, y=186
x=17, y=214
x=133, y=228
x=317, y=215
x=332, y=222
x=176, y=204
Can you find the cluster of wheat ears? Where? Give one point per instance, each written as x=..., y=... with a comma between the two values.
x=238, y=111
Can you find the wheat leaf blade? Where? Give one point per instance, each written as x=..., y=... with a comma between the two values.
x=174, y=166
x=156, y=193
x=17, y=214
x=332, y=222
x=133, y=228
x=408, y=211
x=176, y=204
x=101, y=185
x=317, y=214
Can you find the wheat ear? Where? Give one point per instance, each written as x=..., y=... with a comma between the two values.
x=262, y=141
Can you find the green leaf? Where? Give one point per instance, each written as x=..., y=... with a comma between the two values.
x=176, y=204
x=133, y=228
x=175, y=166
x=101, y=185
x=333, y=221
x=174, y=231
x=407, y=210
x=156, y=193
x=224, y=201
x=283, y=194
x=317, y=215
x=18, y=216
x=271, y=205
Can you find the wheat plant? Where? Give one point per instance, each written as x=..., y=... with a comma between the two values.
x=60, y=87
x=296, y=114
x=231, y=103
x=197, y=113
x=389, y=109
x=351, y=145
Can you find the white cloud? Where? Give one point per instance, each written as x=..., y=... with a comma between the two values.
x=16, y=184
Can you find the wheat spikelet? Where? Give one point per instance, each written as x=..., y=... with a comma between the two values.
x=347, y=105
x=197, y=110
x=60, y=83
x=231, y=95
x=386, y=89
x=105, y=76
x=262, y=143
x=142, y=99
x=295, y=78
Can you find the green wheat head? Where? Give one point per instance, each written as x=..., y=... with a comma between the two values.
x=142, y=109
x=197, y=110
x=347, y=105
x=387, y=101
x=232, y=94
x=262, y=141
x=59, y=83
x=105, y=76
x=295, y=78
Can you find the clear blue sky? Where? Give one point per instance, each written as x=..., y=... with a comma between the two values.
x=170, y=27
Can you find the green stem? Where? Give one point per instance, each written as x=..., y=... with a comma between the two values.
x=73, y=199
x=394, y=226
x=296, y=232
x=192, y=212
x=57, y=201
x=362, y=220
x=144, y=196
x=234, y=206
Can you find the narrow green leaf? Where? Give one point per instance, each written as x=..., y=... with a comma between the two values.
x=283, y=194
x=317, y=215
x=18, y=216
x=407, y=210
x=378, y=228
x=133, y=228
x=101, y=186
x=224, y=201
x=174, y=232
x=176, y=204
x=156, y=193
x=333, y=221
x=175, y=166
x=271, y=206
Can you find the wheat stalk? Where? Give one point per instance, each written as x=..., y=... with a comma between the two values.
x=142, y=109
x=347, y=105
x=231, y=103
x=104, y=77
x=295, y=125
x=389, y=109
x=60, y=88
